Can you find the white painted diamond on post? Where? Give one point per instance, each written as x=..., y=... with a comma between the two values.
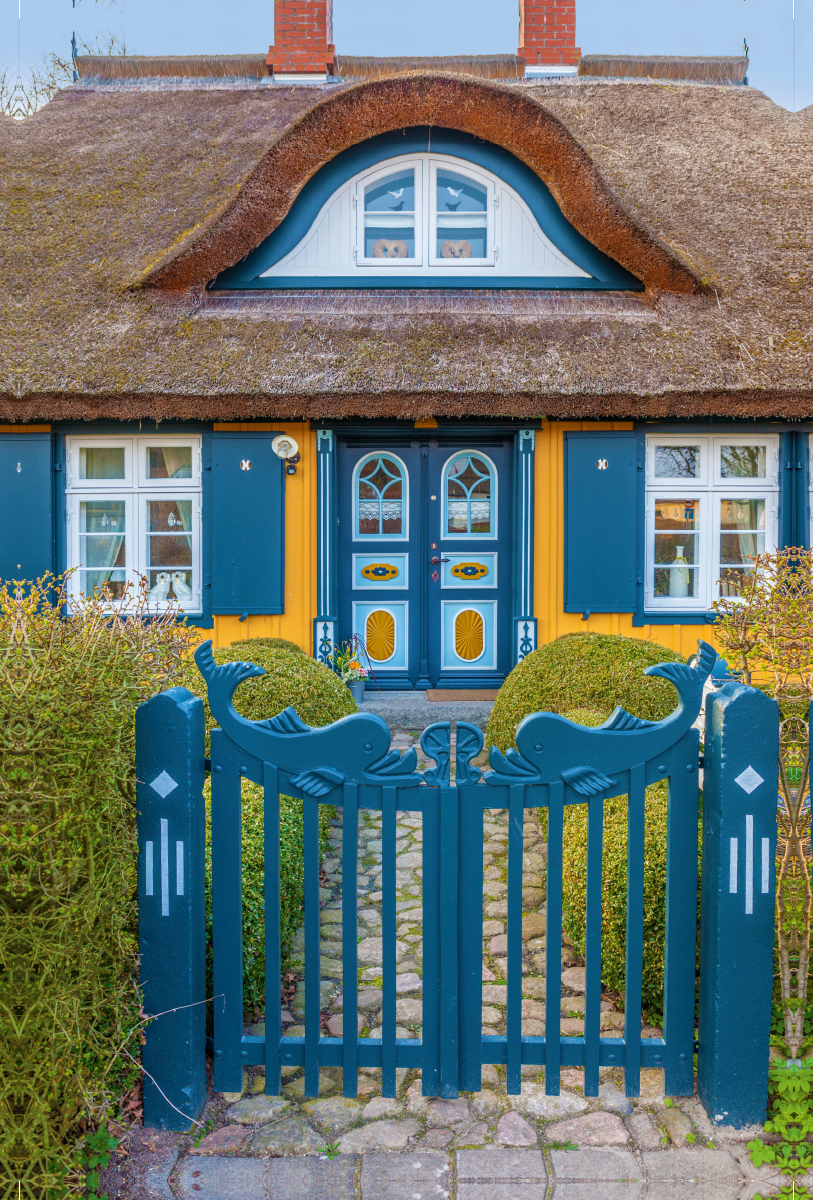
x=163, y=784
x=750, y=780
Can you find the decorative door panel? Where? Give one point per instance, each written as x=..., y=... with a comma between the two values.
x=469, y=571
x=468, y=635
x=384, y=630
x=377, y=572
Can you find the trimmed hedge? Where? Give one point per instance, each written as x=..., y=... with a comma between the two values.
x=319, y=698
x=594, y=671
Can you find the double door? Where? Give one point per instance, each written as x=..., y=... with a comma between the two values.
x=424, y=559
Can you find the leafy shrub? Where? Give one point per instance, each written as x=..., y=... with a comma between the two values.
x=319, y=698
x=249, y=646
x=594, y=671
x=614, y=890
x=69, y=689
x=292, y=678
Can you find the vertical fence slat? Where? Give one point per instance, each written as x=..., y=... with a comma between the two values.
x=388, y=801
x=553, y=950
x=516, y=815
x=681, y=918
x=227, y=914
x=470, y=943
x=312, y=948
x=273, y=966
x=448, y=942
x=592, y=952
x=636, y=812
x=350, y=850
x=430, y=1066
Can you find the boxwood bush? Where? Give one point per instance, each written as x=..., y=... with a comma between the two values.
x=593, y=671
x=584, y=676
x=319, y=698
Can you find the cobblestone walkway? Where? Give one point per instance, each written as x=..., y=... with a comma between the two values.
x=481, y=1146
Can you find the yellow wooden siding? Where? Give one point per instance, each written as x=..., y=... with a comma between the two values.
x=296, y=623
x=25, y=428
x=549, y=564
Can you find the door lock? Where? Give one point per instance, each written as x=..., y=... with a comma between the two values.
x=437, y=559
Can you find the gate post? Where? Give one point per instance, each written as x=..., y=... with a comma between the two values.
x=171, y=906
x=737, y=903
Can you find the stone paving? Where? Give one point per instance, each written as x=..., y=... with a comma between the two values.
x=481, y=1146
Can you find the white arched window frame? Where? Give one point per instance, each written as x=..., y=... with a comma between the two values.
x=367, y=228
x=404, y=500
x=467, y=535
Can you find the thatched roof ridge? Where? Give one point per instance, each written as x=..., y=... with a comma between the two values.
x=703, y=68
x=106, y=183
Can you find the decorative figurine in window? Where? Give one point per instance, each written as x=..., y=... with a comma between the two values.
x=161, y=589
x=455, y=250
x=387, y=249
x=180, y=587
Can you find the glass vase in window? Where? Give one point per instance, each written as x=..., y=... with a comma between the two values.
x=742, y=538
x=676, y=549
x=102, y=547
x=389, y=218
x=169, y=551
x=380, y=498
x=461, y=218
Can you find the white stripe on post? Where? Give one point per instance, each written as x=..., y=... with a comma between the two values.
x=164, y=867
x=749, y=864
x=732, y=867
x=148, y=882
x=179, y=868
x=766, y=865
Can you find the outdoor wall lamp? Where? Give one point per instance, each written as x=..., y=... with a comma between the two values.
x=286, y=448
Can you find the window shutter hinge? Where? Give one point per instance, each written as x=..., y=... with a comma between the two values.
x=57, y=466
x=640, y=464
x=640, y=580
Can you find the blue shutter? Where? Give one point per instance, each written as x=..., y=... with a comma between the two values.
x=26, y=506
x=600, y=522
x=248, y=524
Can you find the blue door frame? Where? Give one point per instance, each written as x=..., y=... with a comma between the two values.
x=423, y=578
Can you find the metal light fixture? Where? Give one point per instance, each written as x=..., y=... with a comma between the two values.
x=286, y=448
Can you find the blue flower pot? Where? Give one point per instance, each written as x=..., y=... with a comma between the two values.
x=356, y=689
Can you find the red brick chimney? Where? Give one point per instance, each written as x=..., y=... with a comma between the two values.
x=547, y=33
x=303, y=37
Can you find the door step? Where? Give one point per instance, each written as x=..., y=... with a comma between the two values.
x=451, y=695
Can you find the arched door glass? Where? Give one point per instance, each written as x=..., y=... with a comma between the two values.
x=380, y=496
x=469, y=496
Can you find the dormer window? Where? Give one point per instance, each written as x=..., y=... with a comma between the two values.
x=425, y=208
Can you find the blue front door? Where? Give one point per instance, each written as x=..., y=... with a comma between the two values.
x=424, y=558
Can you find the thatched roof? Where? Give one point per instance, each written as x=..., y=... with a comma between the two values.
x=120, y=200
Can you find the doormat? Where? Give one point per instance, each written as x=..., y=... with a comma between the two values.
x=447, y=694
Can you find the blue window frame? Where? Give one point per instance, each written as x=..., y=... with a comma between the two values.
x=460, y=236
x=380, y=498
x=469, y=496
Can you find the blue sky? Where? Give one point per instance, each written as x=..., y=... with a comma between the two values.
x=450, y=27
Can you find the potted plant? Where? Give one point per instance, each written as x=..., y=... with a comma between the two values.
x=346, y=660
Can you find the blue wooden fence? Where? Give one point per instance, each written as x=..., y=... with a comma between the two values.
x=350, y=764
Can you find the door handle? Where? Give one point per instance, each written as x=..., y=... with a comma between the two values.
x=437, y=559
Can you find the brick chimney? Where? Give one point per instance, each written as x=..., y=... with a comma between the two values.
x=303, y=36
x=547, y=33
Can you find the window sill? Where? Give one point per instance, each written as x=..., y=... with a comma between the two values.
x=673, y=618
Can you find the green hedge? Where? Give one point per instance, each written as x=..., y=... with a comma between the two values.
x=594, y=671
x=69, y=689
x=319, y=698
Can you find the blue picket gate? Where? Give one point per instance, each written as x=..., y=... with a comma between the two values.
x=351, y=765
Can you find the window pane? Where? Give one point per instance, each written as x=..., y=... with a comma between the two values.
x=169, y=547
x=742, y=538
x=676, y=548
x=677, y=462
x=379, y=498
x=468, y=495
x=102, y=546
x=389, y=217
x=743, y=462
x=101, y=462
x=169, y=462
x=462, y=217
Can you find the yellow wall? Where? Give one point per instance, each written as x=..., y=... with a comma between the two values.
x=296, y=623
x=552, y=620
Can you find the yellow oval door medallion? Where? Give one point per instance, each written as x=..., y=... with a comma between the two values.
x=380, y=635
x=379, y=572
x=468, y=634
x=469, y=570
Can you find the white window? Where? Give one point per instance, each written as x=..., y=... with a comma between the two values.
x=425, y=214
x=711, y=507
x=133, y=508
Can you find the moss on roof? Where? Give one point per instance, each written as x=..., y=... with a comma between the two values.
x=107, y=184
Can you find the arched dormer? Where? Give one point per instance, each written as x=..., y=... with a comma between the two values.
x=426, y=207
